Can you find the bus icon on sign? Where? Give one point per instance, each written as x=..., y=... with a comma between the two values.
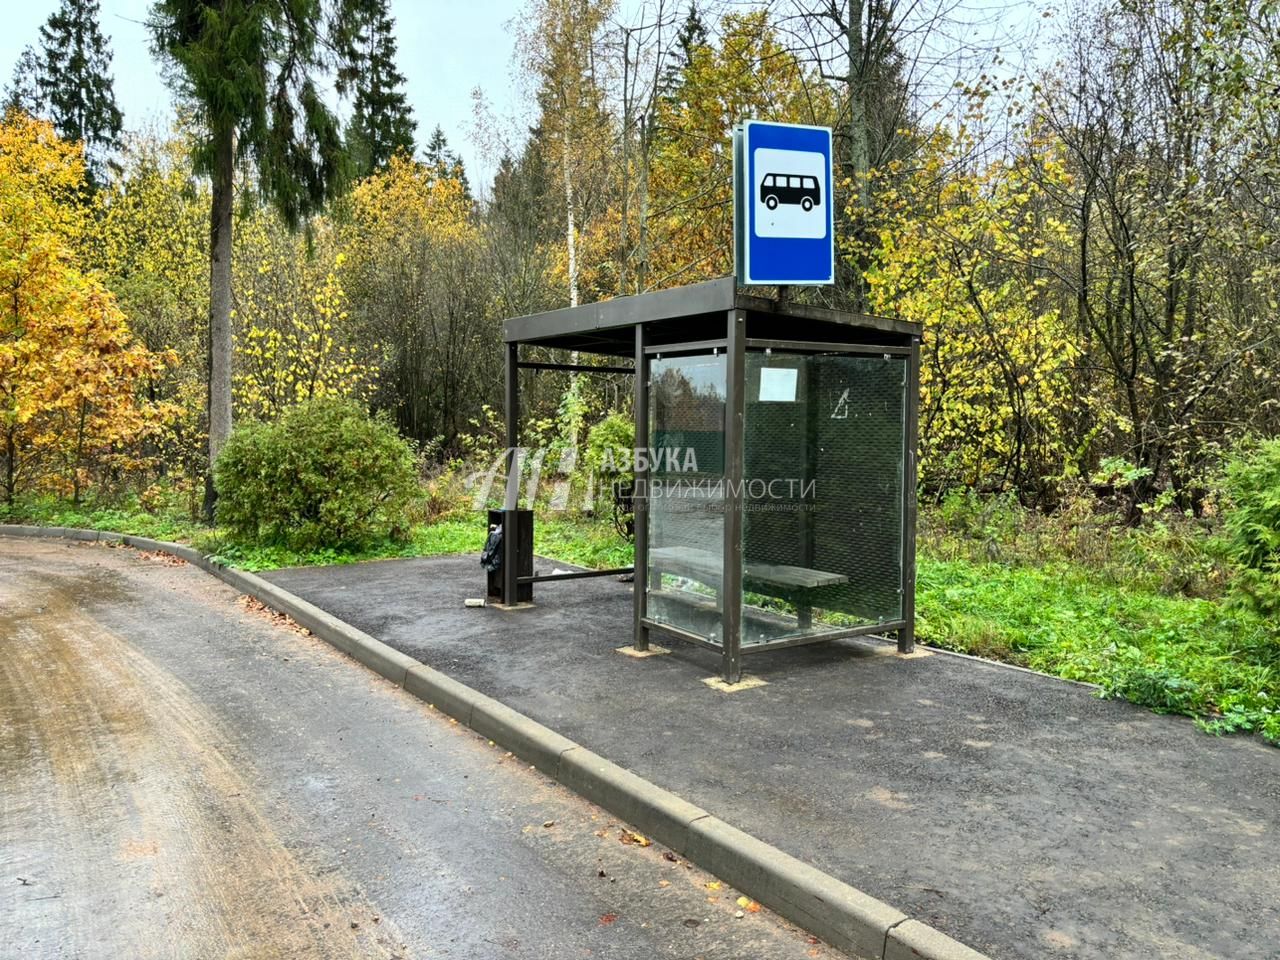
x=790, y=193
x=801, y=191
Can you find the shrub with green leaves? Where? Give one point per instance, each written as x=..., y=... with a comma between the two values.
x=609, y=447
x=1253, y=525
x=324, y=475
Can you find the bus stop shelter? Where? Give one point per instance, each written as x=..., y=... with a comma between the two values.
x=775, y=469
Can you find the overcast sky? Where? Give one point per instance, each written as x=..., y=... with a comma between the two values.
x=446, y=50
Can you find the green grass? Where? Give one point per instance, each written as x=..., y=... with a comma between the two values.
x=583, y=542
x=1174, y=654
x=442, y=537
x=126, y=518
x=1144, y=615
x=577, y=541
x=574, y=540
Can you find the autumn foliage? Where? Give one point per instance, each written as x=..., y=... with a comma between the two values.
x=293, y=338
x=71, y=372
x=962, y=251
x=1097, y=276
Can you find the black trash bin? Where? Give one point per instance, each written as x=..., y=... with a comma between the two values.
x=524, y=554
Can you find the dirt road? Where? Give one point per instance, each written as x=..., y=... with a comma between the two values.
x=182, y=775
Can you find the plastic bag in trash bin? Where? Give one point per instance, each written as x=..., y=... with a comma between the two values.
x=491, y=556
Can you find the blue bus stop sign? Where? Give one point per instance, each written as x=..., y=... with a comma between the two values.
x=783, y=214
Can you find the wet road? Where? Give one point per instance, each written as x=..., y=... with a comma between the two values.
x=182, y=775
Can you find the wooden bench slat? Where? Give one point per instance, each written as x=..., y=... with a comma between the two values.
x=782, y=575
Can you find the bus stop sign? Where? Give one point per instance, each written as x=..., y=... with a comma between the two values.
x=783, y=216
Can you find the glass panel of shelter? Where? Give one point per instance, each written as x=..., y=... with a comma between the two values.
x=821, y=498
x=686, y=495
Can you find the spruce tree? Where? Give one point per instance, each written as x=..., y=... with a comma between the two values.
x=75, y=81
x=23, y=92
x=253, y=72
x=381, y=121
x=692, y=35
x=444, y=161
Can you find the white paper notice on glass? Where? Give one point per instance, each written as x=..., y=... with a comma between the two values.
x=778, y=384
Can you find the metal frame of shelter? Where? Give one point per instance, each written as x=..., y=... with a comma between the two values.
x=714, y=317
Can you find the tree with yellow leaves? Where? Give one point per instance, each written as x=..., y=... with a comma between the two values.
x=748, y=74
x=70, y=367
x=294, y=338
x=151, y=230
x=418, y=276
x=967, y=251
x=560, y=48
x=149, y=242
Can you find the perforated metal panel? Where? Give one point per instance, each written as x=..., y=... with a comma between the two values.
x=859, y=469
x=824, y=491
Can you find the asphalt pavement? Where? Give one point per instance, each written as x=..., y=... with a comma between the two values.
x=183, y=774
x=1017, y=813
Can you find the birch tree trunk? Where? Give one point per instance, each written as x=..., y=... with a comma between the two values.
x=570, y=230
x=572, y=402
x=859, y=130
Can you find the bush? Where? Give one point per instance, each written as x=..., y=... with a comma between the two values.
x=324, y=475
x=1253, y=525
x=609, y=447
x=610, y=458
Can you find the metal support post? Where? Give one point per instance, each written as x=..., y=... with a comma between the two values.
x=640, y=495
x=911, y=440
x=731, y=586
x=510, y=535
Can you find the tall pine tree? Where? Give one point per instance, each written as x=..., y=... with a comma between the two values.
x=23, y=92
x=253, y=71
x=381, y=121
x=75, y=81
x=444, y=161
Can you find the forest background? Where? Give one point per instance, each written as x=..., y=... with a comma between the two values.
x=1093, y=247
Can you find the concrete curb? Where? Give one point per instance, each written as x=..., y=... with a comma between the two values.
x=843, y=916
x=913, y=940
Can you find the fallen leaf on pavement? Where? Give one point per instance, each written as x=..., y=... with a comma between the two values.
x=746, y=903
x=630, y=837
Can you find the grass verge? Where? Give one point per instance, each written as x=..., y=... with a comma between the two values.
x=575, y=540
x=1184, y=655
x=1121, y=627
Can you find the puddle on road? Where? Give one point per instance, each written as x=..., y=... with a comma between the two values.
x=125, y=830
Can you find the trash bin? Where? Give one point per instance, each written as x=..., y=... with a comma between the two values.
x=524, y=554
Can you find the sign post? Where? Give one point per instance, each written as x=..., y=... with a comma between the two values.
x=783, y=210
